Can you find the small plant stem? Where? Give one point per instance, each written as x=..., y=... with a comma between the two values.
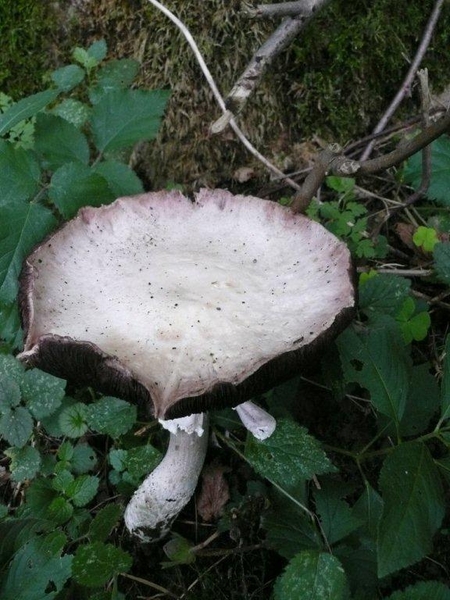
x=155, y=586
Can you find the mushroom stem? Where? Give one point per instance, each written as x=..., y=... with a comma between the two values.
x=258, y=421
x=166, y=491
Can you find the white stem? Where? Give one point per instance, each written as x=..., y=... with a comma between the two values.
x=165, y=492
x=256, y=420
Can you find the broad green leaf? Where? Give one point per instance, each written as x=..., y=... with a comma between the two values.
x=98, y=50
x=378, y=361
x=445, y=385
x=425, y=237
x=141, y=460
x=124, y=117
x=16, y=426
x=444, y=466
x=117, y=459
x=114, y=75
x=368, y=509
x=37, y=567
x=11, y=368
x=25, y=108
x=20, y=175
x=103, y=523
x=179, y=551
x=72, y=110
x=94, y=564
x=312, y=576
x=14, y=533
x=60, y=510
x=413, y=507
x=59, y=142
x=111, y=416
x=422, y=402
x=84, y=458
x=10, y=330
x=9, y=393
x=288, y=456
x=42, y=392
x=383, y=294
x=424, y=590
x=336, y=517
x=72, y=420
x=25, y=462
x=66, y=78
x=360, y=564
x=442, y=261
x=414, y=324
x=21, y=227
x=440, y=171
x=83, y=489
x=51, y=424
x=91, y=57
x=75, y=185
x=38, y=497
x=122, y=180
x=65, y=451
x=63, y=479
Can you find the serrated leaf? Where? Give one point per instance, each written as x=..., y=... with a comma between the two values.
x=141, y=460
x=11, y=368
x=84, y=458
x=25, y=108
x=442, y=261
x=288, y=456
x=378, y=361
x=75, y=185
x=9, y=393
x=94, y=564
x=21, y=228
x=66, y=78
x=20, y=174
x=82, y=57
x=62, y=480
x=383, y=294
x=122, y=180
x=16, y=426
x=98, y=50
x=72, y=420
x=440, y=171
x=103, y=523
x=60, y=510
x=422, y=402
x=413, y=507
x=42, y=392
x=36, y=565
x=83, y=489
x=25, y=462
x=336, y=517
x=360, y=564
x=124, y=117
x=111, y=416
x=429, y=590
x=59, y=142
x=114, y=75
x=72, y=110
x=312, y=576
x=117, y=459
x=368, y=509
x=14, y=533
x=38, y=497
x=51, y=423
x=445, y=385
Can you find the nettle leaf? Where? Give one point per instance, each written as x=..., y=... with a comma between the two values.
x=124, y=117
x=66, y=78
x=445, y=385
x=43, y=393
x=98, y=50
x=440, y=171
x=59, y=142
x=422, y=402
x=83, y=489
x=25, y=462
x=312, y=576
x=21, y=228
x=378, y=361
x=431, y=590
x=37, y=567
x=122, y=180
x=25, y=108
x=75, y=185
x=442, y=261
x=72, y=420
x=16, y=426
x=20, y=174
x=111, y=416
x=72, y=110
x=104, y=522
x=288, y=456
x=383, y=294
x=336, y=516
x=94, y=564
x=414, y=507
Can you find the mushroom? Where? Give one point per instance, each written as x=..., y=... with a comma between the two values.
x=184, y=307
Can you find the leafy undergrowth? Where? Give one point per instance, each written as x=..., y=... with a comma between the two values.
x=347, y=499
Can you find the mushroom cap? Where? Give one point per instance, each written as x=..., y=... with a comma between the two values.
x=183, y=305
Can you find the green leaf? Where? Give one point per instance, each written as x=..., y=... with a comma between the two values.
x=378, y=361
x=51, y=424
x=141, y=460
x=288, y=456
x=111, y=416
x=368, y=509
x=25, y=108
x=11, y=368
x=72, y=110
x=75, y=185
x=425, y=237
x=429, y=590
x=114, y=75
x=442, y=261
x=440, y=171
x=10, y=330
x=72, y=420
x=3, y=510
x=422, y=402
x=104, y=522
x=66, y=78
x=9, y=393
x=37, y=567
x=91, y=57
x=413, y=507
x=20, y=175
x=83, y=489
x=94, y=564
x=336, y=517
x=25, y=462
x=59, y=142
x=445, y=385
x=98, y=50
x=14, y=533
x=38, y=497
x=21, y=228
x=84, y=458
x=383, y=294
x=179, y=551
x=60, y=510
x=16, y=426
x=43, y=393
x=414, y=326
x=312, y=576
x=124, y=117
x=62, y=480
x=121, y=180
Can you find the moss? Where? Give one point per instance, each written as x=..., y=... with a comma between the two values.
x=25, y=29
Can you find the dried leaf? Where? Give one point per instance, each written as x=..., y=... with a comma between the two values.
x=214, y=493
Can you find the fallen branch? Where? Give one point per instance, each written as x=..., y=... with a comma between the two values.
x=285, y=9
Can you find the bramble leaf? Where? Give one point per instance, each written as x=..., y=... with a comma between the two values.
x=59, y=142
x=104, y=521
x=383, y=294
x=25, y=108
x=94, y=564
x=111, y=416
x=66, y=78
x=20, y=175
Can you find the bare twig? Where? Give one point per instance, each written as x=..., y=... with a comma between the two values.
x=284, y=9
x=406, y=84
